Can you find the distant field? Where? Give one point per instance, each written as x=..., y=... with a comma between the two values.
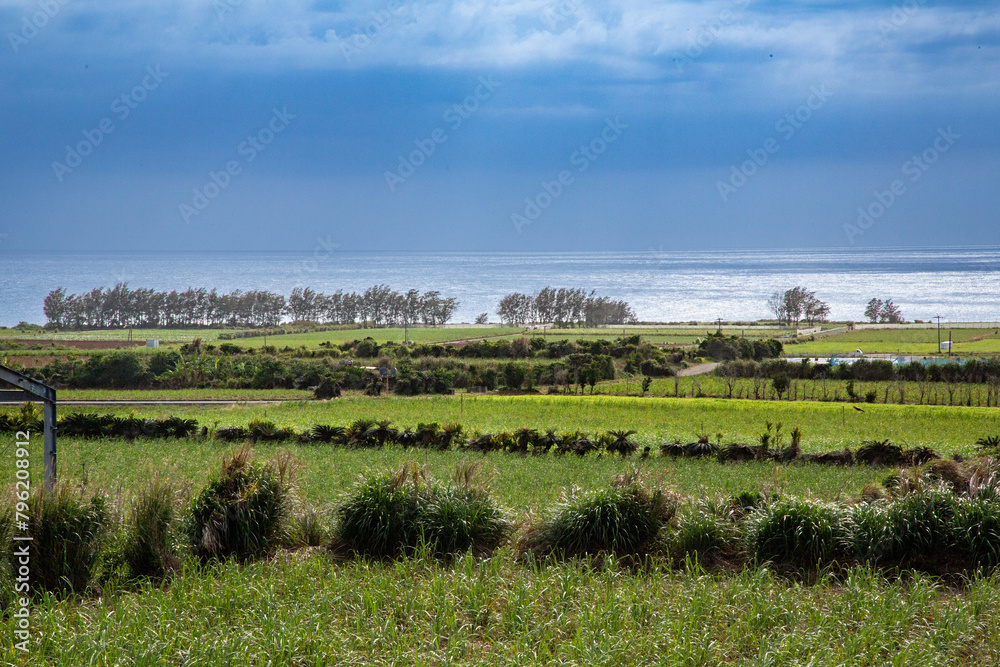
x=182, y=394
x=916, y=393
x=902, y=341
x=655, y=335
x=825, y=426
x=528, y=482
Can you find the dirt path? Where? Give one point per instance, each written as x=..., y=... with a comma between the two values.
x=697, y=369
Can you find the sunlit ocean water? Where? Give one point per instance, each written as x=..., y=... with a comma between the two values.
x=959, y=284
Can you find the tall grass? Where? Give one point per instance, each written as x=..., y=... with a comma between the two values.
x=399, y=513
x=148, y=550
x=67, y=530
x=624, y=519
x=294, y=611
x=243, y=510
x=801, y=534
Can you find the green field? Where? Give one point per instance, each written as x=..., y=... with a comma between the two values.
x=901, y=341
x=309, y=339
x=826, y=426
x=307, y=610
x=184, y=394
x=915, y=393
x=303, y=608
x=532, y=482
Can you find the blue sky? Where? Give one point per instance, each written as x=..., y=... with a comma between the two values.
x=579, y=125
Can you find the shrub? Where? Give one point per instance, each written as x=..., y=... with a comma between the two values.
x=702, y=535
x=798, y=533
x=919, y=532
x=394, y=515
x=624, y=519
x=977, y=532
x=67, y=529
x=148, y=548
x=242, y=511
x=879, y=453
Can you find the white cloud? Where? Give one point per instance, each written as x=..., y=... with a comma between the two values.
x=640, y=40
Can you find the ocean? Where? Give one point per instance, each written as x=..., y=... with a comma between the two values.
x=959, y=284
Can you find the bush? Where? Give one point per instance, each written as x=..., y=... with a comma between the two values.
x=395, y=515
x=624, y=519
x=701, y=535
x=148, y=549
x=242, y=511
x=798, y=533
x=120, y=369
x=67, y=530
x=977, y=532
x=916, y=531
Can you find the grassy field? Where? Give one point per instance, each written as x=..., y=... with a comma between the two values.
x=654, y=335
x=901, y=341
x=303, y=608
x=183, y=394
x=309, y=611
x=826, y=426
x=535, y=481
x=311, y=339
x=915, y=393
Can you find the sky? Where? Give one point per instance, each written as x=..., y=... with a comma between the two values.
x=520, y=125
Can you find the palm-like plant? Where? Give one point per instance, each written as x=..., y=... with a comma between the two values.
x=990, y=443
x=620, y=442
x=329, y=434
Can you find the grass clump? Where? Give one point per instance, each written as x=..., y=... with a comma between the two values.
x=68, y=530
x=625, y=520
x=932, y=530
x=394, y=515
x=148, y=546
x=242, y=512
x=704, y=535
x=801, y=534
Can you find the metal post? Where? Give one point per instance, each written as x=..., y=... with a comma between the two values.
x=49, y=415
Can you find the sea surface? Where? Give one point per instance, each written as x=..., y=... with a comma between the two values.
x=959, y=284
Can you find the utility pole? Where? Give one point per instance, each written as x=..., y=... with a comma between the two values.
x=939, y=332
x=720, y=326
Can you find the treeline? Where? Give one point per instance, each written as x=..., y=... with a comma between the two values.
x=721, y=347
x=122, y=369
x=976, y=371
x=564, y=307
x=527, y=364
x=120, y=306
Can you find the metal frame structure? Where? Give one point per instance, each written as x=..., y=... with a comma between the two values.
x=33, y=390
